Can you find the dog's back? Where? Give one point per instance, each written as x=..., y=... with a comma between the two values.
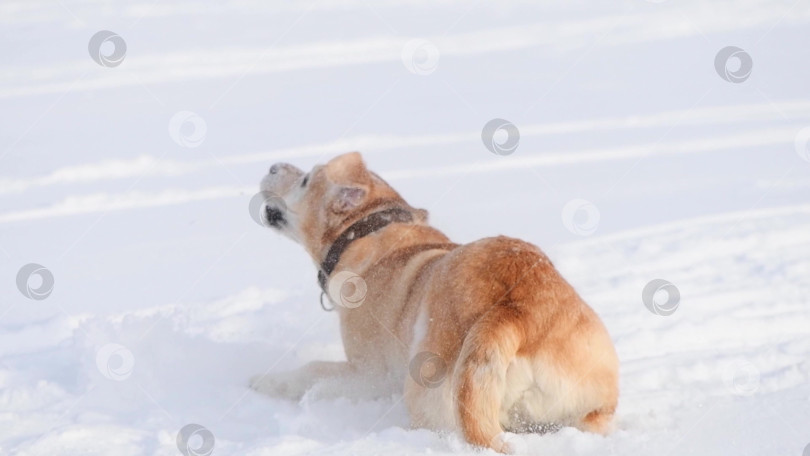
x=532, y=352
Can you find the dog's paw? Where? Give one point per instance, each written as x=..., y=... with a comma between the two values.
x=281, y=386
x=508, y=443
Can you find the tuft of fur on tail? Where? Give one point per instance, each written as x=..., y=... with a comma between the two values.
x=480, y=375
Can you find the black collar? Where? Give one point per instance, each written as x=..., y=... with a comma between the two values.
x=363, y=227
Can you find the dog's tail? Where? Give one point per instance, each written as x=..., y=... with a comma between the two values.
x=480, y=374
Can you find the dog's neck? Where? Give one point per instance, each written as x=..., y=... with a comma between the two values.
x=359, y=229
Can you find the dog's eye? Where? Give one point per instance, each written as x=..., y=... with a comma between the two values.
x=305, y=181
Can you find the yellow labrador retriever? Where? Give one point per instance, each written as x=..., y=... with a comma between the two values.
x=485, y=337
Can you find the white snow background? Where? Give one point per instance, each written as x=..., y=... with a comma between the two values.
x=637, y=161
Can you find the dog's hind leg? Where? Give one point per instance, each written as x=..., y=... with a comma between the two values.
x=598, y=421
x=480, y=376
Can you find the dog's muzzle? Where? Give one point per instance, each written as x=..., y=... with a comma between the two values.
x=281, y=177
x=274, y=216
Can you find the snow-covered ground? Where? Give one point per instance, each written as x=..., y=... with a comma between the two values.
x=130, y=184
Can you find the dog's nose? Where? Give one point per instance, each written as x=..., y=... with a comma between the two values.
x=274, y=169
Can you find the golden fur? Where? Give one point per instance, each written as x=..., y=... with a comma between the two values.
x=516, y=347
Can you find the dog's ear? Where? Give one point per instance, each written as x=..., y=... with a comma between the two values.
x=348, y=169
x=349, y=159
x=349, y=198
x=421, y=215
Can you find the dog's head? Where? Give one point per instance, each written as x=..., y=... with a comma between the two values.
x=314, y=208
